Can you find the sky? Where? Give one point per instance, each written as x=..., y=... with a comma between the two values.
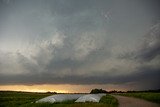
x=78, y=45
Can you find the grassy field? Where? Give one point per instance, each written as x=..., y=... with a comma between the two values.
x=150, y=96
x=14, y=99
x=25, y=99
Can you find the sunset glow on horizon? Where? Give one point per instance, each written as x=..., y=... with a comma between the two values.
x=66, y=88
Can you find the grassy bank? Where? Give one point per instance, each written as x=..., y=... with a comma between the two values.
x=108, y=99
x=22, y=99
x=150, y=96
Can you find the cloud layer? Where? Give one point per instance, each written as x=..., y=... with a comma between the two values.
x=84, y=42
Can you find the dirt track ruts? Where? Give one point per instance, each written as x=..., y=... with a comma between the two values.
x=134, y=102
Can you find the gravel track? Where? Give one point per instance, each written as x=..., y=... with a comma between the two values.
x=134, y=102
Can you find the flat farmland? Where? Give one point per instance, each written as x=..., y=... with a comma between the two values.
x=27, y=99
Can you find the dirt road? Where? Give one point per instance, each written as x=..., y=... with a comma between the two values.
x=134, y=102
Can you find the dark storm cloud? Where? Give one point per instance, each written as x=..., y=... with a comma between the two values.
x=151, y=47
x=143, y=75
x=79, y=42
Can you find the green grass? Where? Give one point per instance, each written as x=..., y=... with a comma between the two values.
x=108, y=99
x=15, y=99
x=23, y=99
x=150, y=96
x=68, y=105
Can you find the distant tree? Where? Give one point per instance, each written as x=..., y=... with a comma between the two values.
x=51, y=92
x=96, y=91
x=114, y=91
